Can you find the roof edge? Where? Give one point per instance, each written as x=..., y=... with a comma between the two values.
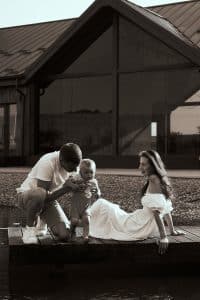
x=172, y=3
x=124, y=8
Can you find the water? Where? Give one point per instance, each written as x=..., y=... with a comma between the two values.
x=44, y=284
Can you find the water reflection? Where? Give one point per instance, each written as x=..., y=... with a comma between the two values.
x=116, y=289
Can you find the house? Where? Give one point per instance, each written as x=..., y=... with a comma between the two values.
x=117, y=80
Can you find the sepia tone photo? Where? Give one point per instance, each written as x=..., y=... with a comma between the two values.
x=99, y=149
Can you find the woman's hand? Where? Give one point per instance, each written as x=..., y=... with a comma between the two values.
x=176, y=232
x=163, y=245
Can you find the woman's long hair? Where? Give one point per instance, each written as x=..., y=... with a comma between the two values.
x=159, y=169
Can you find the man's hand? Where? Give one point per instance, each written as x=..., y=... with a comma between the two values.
x=70, y=186
x=75, y=186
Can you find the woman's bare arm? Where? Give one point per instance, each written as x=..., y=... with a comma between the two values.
x=163, y=243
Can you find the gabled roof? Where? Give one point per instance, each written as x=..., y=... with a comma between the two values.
x=183, y=15
x=21, y=46
x=28, y=49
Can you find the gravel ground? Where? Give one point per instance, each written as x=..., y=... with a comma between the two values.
x=124, y=190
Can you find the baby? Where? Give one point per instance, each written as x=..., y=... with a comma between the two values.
x=85, y=192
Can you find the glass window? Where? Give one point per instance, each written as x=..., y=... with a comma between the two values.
x=184, y=137
x=140, y=50
x=152, y=111
x=2, y=128
x=141, y=112
x=194, y=98
x=80, y=111
x=8, y=130
x=97, y=58
x=13, y=127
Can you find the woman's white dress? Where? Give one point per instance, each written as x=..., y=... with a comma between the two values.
x=109, y=221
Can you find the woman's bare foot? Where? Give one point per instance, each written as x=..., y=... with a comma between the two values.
x=177, y=232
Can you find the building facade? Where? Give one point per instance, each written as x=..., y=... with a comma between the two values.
x=118, y=80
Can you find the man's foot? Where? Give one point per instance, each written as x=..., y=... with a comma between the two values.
x=29, y=235
x=41, y=227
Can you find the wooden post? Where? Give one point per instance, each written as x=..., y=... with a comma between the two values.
x=115, y=85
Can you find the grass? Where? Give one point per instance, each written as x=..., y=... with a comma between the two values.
x=124, y=190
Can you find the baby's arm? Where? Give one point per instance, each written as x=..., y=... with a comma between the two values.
x=98, y=190
x=71, y=185
x=95, y=190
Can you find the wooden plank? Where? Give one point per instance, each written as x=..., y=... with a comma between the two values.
x=182, y=239
x=192, y=235
x=15, y=236
x=109, y=241
x=192, y=229
x=189, y=235
x=152, y=240
x=94, y=241
x=172, y=240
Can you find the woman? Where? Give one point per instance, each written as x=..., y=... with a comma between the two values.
x=109, y=221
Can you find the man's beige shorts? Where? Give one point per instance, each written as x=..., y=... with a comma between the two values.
x=52, y=213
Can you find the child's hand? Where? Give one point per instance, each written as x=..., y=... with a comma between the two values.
x=80, y=187
x=94, y=190
x=71, y=185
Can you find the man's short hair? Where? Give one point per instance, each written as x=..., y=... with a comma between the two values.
x=71, y=152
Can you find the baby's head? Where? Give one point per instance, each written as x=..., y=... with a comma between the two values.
x=87, y=169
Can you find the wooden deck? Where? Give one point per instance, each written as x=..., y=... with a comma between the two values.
x=182, y=255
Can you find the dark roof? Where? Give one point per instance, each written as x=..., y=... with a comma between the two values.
x=160, y=20
x=21, y=46
x=185, y=16
x=27, y=48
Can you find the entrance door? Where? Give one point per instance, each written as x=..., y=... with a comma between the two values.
x=8, y=114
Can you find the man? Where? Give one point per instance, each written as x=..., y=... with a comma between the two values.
x=45, y=183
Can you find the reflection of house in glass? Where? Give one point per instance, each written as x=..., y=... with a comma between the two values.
x=185, y=127
x=91, y=128
x=117, y=80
